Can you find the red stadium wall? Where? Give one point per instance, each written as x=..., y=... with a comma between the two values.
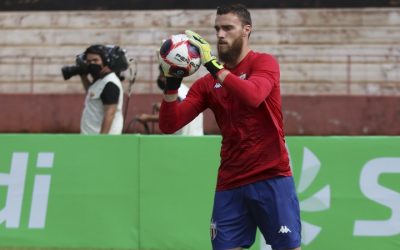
x=303, y=115
x=341, y=115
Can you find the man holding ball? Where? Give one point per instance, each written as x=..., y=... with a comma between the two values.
x=255, y=187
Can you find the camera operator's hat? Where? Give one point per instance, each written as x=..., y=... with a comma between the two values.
x=112, y=55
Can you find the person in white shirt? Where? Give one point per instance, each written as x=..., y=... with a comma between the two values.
x=194, y=128
x=102, y=113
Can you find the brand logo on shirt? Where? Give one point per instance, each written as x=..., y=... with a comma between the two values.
x=217, y=85
x=243, y=76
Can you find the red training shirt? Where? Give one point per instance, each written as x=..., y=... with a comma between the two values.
x=247, y=108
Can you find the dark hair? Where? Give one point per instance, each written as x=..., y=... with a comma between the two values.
x=238, y=9
x=98, y=49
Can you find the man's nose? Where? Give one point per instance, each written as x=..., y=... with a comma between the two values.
x=220, y=33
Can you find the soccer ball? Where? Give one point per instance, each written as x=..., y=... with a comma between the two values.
x=178, y=57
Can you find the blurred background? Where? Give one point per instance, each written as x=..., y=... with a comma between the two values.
x=340, y=75
x=340, y=60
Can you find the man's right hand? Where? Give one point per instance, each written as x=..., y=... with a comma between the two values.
x=172, y=83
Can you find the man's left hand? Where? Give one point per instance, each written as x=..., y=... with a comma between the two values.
x=207, y=58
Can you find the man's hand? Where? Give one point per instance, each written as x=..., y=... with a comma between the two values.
x=207, y=58
x=172, y=83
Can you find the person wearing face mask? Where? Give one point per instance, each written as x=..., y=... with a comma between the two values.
x=194, y=128
x=102, y=113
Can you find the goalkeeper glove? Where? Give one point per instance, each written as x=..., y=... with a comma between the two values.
x=207, y=59
x=172, y=83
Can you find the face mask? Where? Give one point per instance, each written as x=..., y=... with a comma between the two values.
x=94, y=70
x=161, y=84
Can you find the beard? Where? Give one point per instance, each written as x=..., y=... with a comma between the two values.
x=232, y=52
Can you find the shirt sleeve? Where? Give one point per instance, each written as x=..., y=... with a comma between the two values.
x=263, y=78
x=110, y=94
x=174, y=115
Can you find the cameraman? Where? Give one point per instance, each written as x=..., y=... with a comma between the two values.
x=102, y=113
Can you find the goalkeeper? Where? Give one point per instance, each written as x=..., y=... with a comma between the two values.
x=255, y=187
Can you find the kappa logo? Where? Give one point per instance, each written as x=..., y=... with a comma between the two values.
x=284, y=230
x=217, y=85
x=243, y=76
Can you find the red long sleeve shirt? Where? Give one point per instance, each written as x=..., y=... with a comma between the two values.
x=247, y=108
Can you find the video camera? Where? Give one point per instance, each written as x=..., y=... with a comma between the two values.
x=113, y=56
x=79, y=68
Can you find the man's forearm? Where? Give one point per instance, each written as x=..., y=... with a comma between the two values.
x=170, y=98
x=106, y=125
x=109, y=113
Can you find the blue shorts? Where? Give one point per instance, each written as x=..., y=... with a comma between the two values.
x=271, y=205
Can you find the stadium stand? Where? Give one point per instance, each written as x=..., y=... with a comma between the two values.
x=322, y=51
x=325, y=54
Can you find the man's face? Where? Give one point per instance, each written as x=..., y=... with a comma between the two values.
x=96, y=67
x=230, y=34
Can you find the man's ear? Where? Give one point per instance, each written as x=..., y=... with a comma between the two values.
x=106, y=68
x=246, y=30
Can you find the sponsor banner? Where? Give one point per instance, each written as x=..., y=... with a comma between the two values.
x=68, y=191
x=349, y=191
x=177, y=183
x=156, y=192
